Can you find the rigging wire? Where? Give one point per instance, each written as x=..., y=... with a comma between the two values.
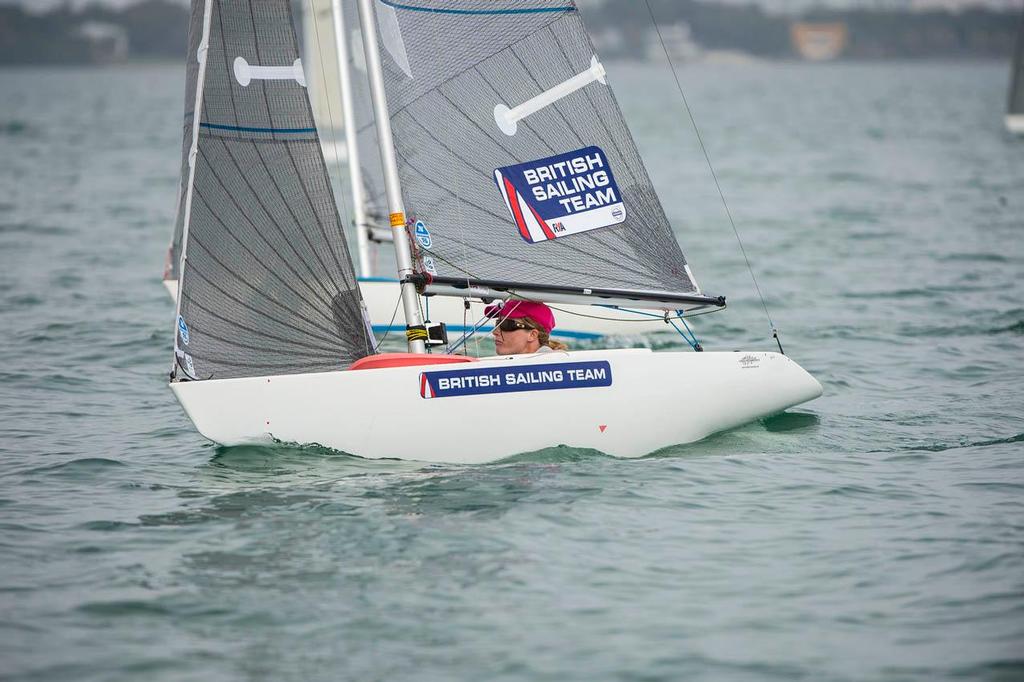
x=707, y=157
x=391, y=324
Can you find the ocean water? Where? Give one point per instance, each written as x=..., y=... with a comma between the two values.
x=876, y=533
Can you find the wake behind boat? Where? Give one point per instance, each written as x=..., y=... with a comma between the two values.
x=499, y=135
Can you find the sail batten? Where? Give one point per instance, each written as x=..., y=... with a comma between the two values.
x=515, y=160
x=267, y=282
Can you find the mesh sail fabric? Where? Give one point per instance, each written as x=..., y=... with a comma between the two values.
x=195, y=35
x=366, y=130
x=447, y=64
x=268, y=284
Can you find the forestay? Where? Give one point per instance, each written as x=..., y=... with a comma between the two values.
x=267, y=284
x=515, y=160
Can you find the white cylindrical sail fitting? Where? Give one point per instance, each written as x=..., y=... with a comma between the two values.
x=507, y=119
x=245, y=72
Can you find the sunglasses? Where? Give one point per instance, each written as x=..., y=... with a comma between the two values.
x=509, y=325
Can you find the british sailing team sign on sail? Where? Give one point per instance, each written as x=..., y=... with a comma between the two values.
x=561, y=195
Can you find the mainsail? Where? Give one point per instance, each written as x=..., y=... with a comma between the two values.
x=515, y=160
x=267, y=283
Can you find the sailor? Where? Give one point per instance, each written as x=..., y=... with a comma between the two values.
x=523, y=327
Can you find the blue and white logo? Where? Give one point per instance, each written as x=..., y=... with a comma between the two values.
x=561, y=195
x=546, y=377
x=183, y=330
x=423, y=235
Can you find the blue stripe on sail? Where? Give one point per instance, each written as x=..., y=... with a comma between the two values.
x=509, y=10
x=246, y=129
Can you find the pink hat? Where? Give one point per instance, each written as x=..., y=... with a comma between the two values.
x=514, y=310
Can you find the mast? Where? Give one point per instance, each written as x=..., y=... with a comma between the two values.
x=355, y=172
x=396, y=207
x=197, y=112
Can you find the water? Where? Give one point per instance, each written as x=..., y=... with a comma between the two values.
x=874, y=534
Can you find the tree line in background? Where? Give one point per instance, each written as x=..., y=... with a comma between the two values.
x=872, y=34
x=153, y=29
x=156, y=29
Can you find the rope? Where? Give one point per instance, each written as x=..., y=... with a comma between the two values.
x=387, y=331
x=416, y=333
x=707, y=157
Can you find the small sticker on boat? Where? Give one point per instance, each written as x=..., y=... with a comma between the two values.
x=561, y=195
x=182, y=330
x=423, y=235
x=188, y=364
x=749, y=361
x=546, y=377
x=429, y=265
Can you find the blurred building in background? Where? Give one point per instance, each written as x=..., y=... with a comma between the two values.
x=819, y=42
x=106, y=42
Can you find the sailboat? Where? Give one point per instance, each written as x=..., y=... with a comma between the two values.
x=1015, y=103
x=498, y=132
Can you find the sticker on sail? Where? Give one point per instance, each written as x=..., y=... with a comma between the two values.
x=423, y=235
x=182, y=329
x=429, y=265
x=546, y=377
x=561, y=195
x=185, y=362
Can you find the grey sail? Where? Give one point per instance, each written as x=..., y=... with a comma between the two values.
x=267, y=284
x=195, y=32
x=559, y=195
x=1015, y=105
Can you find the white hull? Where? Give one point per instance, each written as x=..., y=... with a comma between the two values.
x=1015, y=123
x=381, y=297
x=654, y=400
